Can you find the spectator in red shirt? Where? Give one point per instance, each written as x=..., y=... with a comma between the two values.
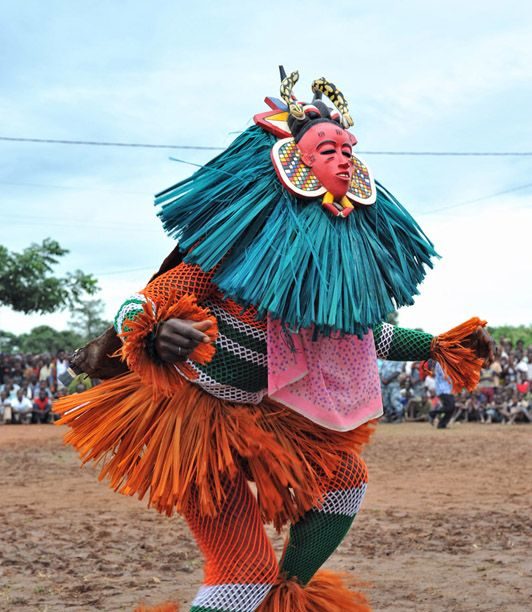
x=42, y=407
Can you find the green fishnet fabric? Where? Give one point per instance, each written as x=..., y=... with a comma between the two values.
x=314, y=538
x=238, y=372
x=377, y=333
x=130, y=309
x=410, y=345
x=235, y=370
x=312, y=541
x=401, y=344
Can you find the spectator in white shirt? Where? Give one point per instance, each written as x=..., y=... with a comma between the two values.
x=430, y=384
x=61, y=364
x=45, y=373
x=10, y=388
x=5, y=407
x=522, y=367
x=22, y=408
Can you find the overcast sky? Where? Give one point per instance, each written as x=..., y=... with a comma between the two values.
x=419, y=76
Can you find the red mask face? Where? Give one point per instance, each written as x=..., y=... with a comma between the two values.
x=327, y=148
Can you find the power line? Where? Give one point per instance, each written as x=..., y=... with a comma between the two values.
x=39, y=220
x=479, y=199
x=97, y=143
x=51, y=222
x=138, y=145
x=123, y=271
x=452, y=153
x=74, y=188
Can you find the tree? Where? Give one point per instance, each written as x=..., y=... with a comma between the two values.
x=46, y=339
x=513, y=333
x=8, y=342
x=87, y=319
x=392, y=318
x=27, y=283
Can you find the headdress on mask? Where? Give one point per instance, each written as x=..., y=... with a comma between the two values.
x=289, y=120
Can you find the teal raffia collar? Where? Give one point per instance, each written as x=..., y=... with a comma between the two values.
x=288, y=257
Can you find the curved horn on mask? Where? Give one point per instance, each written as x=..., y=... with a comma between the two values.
x=335, y=96
x=287, y=85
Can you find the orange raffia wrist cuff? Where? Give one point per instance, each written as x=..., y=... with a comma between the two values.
x=459, y=362
x=165, y=377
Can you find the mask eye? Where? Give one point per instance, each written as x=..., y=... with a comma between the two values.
x=327, y=152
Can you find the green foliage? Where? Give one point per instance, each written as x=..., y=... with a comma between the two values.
x=8, y=342
x=87, y=319
x=512, y=333
x=45, y=339
x=392, y=318
x=27, y=282
x=41, y=339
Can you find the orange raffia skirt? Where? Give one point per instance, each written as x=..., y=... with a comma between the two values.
x=181, y=448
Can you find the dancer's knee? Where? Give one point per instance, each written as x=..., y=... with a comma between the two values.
x=351, y=472
x=246, y=561
x=256, y=565
x=268, y=568
x=347, y=488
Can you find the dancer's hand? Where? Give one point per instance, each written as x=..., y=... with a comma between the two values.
x=177, y=338
x=482, y=343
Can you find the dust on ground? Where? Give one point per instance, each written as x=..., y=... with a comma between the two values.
x=446, y=526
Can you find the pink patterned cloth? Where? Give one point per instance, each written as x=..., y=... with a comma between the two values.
x=333, y=381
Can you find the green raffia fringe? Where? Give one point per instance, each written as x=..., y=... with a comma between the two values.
x=290, y=257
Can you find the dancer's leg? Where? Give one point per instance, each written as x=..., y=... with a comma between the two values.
x=448, y=404
x=319, y=532
x=240, y=564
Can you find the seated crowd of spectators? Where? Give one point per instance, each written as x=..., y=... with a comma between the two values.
x=419, y=392
x=29, y=385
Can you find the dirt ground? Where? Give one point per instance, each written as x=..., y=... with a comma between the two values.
x=446, y=525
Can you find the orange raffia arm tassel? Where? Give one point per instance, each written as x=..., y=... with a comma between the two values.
x=458, y=360
x=165, y=376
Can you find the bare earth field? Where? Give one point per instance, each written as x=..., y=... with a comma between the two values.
x=446, y=525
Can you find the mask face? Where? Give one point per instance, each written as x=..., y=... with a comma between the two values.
x=327, y=149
